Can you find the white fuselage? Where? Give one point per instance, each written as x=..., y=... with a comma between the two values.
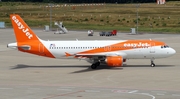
x=58, y=49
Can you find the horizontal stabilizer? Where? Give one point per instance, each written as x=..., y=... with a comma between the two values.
x=14, y=46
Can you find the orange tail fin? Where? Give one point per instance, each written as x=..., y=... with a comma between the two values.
x=22, y=31
x=27, y=41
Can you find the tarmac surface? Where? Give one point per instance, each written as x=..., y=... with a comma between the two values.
x=26, y=76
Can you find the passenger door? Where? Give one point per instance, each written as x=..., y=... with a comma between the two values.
x=152, y=49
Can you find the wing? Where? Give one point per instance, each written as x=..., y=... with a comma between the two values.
x=90, y=55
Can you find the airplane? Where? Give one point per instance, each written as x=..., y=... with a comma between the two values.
x=111, y=52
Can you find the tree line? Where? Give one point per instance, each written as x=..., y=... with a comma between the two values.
x=86, y=1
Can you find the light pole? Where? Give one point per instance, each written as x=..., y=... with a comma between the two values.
x=50, y=11
x=137, y=19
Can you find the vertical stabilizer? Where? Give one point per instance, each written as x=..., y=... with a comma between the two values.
x=22, y=31
x=27, y=41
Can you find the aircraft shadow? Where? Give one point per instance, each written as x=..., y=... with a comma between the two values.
x=101, y=67
x=148, y=66
x=87, y=67
x=21, y=66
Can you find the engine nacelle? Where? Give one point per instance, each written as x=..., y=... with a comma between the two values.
x=114, y=61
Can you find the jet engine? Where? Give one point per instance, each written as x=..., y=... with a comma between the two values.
x=114, y=61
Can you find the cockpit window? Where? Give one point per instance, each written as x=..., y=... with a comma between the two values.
x=165, y=46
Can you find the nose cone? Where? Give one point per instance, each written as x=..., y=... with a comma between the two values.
x=172, y=51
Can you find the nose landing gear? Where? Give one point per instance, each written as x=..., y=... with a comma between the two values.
x=152, y=63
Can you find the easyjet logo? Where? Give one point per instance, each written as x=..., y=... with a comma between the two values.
x=21, y=27
x=140, y=44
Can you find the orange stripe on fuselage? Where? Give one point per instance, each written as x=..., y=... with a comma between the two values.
x=127, y=45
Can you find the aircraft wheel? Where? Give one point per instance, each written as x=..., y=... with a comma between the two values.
x=153, y=65
x=93, y=66
x=98, y=63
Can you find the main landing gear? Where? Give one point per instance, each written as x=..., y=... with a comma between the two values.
x=94, y=65
x=152, y=63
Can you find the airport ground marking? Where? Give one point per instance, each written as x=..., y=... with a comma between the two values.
x=65, y=89
x=65, y=94
x=93, y=78
x=133, y=91
x=6, y=88
x=108, y=78
x=176, y=95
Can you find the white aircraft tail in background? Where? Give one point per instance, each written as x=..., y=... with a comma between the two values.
x=161, y=1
